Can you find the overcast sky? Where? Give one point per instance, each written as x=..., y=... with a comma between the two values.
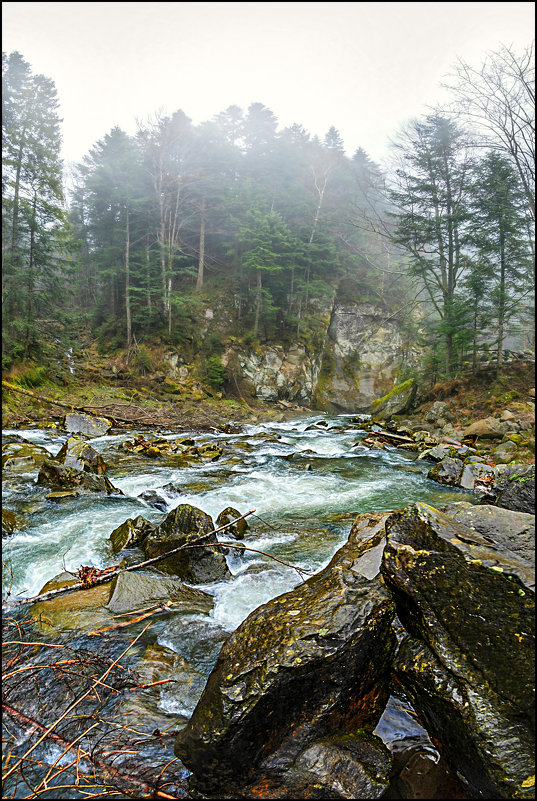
x=363, y=67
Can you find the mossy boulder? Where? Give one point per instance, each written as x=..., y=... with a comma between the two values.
x=79, y=455
x=226, y=516
x=130, y=533
x=183, y=526
x=59, y=476
x=309, y=664
x=23, y=456
x=467, y=601
x=398, y=401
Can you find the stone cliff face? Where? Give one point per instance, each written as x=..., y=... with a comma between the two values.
x=358, y=362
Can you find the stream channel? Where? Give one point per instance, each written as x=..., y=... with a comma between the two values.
x=307, y=479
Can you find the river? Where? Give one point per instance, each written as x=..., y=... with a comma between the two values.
x=307, y=479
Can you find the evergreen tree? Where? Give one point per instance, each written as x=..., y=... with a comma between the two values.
x=35, y=248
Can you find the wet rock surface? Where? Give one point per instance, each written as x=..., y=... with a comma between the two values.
x=185, y=525
x=310, y=664
x=57, y=475
x=130, y=533
x=448, y=471
x=134, y=590
x=514, y=488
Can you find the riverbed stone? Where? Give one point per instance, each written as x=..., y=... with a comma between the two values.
x=130, y=533
x=448, y=471
x=226, y=516
x=90, y=425
x=78, y=454
x=310, y=664
x=152, y=498
x=132, y=590
x=187, y=525
x=57, y=475
x=467, y=601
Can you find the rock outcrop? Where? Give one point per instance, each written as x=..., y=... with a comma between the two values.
x=466, y=600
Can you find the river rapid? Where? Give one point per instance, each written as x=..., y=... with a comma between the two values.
x=307, y=479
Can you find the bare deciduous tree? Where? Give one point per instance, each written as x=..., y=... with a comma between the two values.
x=499, y=98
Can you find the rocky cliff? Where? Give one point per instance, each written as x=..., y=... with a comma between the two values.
x=357, y=358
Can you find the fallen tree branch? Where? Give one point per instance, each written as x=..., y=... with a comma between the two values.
x=85, y=755
x=52, y=401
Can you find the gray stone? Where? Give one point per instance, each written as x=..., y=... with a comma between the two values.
x=448, y=471
x=80, y=423
x=504, y=453
x=132, y=590
x=475, y=475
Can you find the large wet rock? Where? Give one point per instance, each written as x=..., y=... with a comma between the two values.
x=514, y=488
x=347, y=766
x=90, y=425
x=10, y=522
x=130, y=533
x=448, y=471
x=135, y=590
x=490, y=749
x=309, y=665
x=185, y=525
x=73, y=611
x=467, y=600
x=78, y=454
x=226, y=516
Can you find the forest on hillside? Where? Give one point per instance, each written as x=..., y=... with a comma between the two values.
x=127, y=243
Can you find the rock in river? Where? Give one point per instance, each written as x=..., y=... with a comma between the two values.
x=184, y=525
x=467, y=601
x=306, y=667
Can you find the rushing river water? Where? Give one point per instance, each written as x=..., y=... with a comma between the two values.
x=306, y=479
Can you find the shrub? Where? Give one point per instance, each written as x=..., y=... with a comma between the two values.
x=216, y=372
x=33, y=377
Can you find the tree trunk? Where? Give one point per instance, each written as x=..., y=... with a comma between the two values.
x=127, y=279
x=29, y=313
x=201, y=264
x=501, y=303
x=257, y=304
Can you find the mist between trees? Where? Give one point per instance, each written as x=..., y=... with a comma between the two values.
x=273, y=222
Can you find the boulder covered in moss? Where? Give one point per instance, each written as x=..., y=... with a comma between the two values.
x=467, y=601
x=187, y=525
x=398, y=401
x=130, y=533
x=59, y=476
x=78, y=454
x=310, y=665
x=23, y=457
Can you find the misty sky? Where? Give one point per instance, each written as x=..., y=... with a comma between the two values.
x=363, y=67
